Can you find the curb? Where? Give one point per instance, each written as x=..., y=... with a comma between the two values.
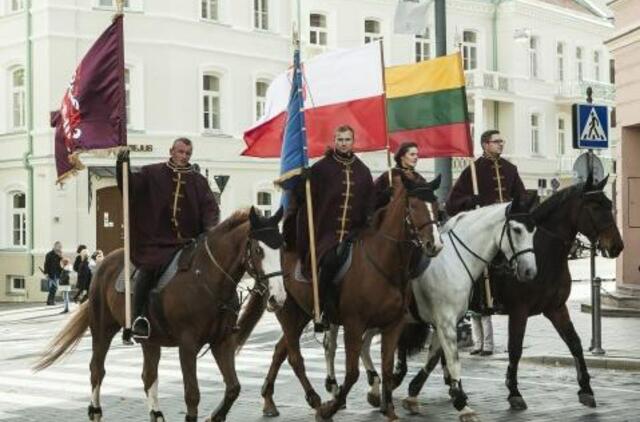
x=608, y=311
x=625, y=364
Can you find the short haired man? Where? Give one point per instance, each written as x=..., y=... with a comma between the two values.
x=498, y=181
x=171, y=204
x=53, y=270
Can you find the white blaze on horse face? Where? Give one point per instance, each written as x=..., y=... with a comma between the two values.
x=437, y=239
x=271, y=264
x=522, y=240
x=152, y=397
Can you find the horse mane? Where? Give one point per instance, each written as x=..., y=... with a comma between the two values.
x=542, y=211
x=453, y=221
x=234, y=220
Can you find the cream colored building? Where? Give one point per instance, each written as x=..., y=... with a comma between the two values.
x=200, y=68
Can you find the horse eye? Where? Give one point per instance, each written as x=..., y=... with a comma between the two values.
x=517, y=230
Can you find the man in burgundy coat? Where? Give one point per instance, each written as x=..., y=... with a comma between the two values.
x=498, y=181
x=343, y=198
x=171, y=204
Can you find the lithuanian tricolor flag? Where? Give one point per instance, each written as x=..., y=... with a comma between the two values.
x=427, y=104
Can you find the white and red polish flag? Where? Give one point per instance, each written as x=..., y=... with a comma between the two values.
x=340, y=88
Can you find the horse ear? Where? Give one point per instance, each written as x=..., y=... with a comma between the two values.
x=435, y=183
x=254, y=218
x=408, y=183
x=601, y=184
x=275, y=219
x=588, y=185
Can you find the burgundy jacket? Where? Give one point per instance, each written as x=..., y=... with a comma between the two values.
x=169, y=207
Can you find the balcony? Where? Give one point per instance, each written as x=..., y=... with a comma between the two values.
x=576, y=91
x=493, y=81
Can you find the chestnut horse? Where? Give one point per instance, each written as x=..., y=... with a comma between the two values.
x=197, y=307
x=372, y=293
x=582, y=208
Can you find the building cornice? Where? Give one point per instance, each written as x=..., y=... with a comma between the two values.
x=538, y=9
x=624, y=37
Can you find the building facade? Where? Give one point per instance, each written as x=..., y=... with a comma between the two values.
x=201, y=69
x=625, y=46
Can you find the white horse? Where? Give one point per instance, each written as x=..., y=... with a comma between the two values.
x=471, y=241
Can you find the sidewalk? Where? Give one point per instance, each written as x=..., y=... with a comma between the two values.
x=543, y=345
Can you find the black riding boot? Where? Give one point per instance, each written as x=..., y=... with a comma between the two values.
x=328, y=270
x=145, y=281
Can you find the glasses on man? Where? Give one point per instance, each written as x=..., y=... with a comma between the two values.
x=497, y=141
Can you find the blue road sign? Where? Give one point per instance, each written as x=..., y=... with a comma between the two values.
x=590, y=126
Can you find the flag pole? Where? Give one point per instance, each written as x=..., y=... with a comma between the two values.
x=386, y=131
x=126, y=334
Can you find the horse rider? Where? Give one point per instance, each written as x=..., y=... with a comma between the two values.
x=406, y=158
x=498, y=181
x=343, y=200
x=170, y=204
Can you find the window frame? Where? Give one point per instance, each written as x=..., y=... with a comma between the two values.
x=206, y=14
x=534, y=132
x=534, y=65
x=21, y=92
x=467, y=48
x=562, y=146
x=204, y=94
x=319, y=31
x=370, y=37
x=420, y=42
x=260, y=101
x=560, y=61
x=11, y=289
x=261, y=15
x=597, y=65
x=579, y=63
x=266, y=209
x=21, y=213
x=21, y=4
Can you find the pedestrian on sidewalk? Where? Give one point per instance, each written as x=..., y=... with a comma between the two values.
x=81, y=266
x=53, y=270
x=65, y=282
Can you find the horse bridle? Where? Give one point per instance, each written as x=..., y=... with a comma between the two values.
x=512, y=263
x=414, y=231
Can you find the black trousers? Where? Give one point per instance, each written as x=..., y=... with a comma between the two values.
x=146, y=280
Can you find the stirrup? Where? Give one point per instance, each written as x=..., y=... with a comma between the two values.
x=141, y=320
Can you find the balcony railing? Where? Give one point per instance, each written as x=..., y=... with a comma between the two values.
x=578, y=89
x=487, y=80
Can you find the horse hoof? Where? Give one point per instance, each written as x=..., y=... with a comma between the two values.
x=373, y=399
x=325, y=411
x=329, y=384
x=320, y=418
x=587, y=399
x=411, y=405
x=270, y=411
x=156, y=416
x=517, y=403
x=469, y=417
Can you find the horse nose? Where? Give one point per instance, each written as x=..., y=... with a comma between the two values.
x=272, y=301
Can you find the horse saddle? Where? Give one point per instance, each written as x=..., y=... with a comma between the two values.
x=167, y=275
x=346, y=258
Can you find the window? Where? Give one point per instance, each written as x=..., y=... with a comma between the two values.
x=261, y=98
x=423, y=46
x=112, y=3
x=596, y=65
x=560, y=61
x=16, y=283
x=317, y=29
x=209, y=9
x=371, y=31
x=533, y=57
x=264, y=203
x=562, y=136
x=535, y=134
x=17, y=5
x=579, y=64
x=261, y=14
x=18, y=219
x=17, y=98
x=469, y=50
x=127, y=95
x=211, y=102
x=472, y=123
x=612, y=71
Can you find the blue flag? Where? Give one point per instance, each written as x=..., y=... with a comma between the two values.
x=294, y=156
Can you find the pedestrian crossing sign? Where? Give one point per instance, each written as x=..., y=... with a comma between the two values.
x=590, y=126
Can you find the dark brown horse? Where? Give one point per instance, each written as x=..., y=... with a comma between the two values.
x=581, y=208
x=372, y=293
x=197, y=307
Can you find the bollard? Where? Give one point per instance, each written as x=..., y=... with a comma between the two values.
x=596, y=318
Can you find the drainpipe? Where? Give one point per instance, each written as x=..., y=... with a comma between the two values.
x=494, y=56
x=29, y=154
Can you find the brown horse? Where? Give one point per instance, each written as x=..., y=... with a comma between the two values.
x=372, y=293
x=581, y=208
x=197, y=307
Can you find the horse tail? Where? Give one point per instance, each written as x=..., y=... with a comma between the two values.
x=249, y=318
x=66, y=341
x=413, y=338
